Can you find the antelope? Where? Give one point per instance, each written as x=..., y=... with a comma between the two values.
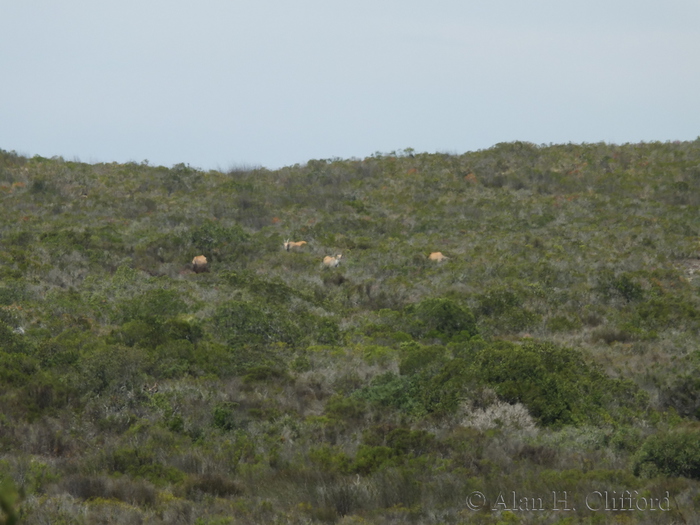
x=437, y=256
x=151, y=389
x=199, y=264
x=332, y=262
x=289, y=245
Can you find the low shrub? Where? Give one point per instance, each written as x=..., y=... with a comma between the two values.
x=554, y=383
x=345, y=408
x=213, y=484
x=440, y=318
x=504, y=311
x=673, y=453
x=224, y=416
x=128, y=490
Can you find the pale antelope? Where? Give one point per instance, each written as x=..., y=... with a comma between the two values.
x=151, y=389
x=289, y=245
x=199, y=264
x=437, y=256
x=331, y=262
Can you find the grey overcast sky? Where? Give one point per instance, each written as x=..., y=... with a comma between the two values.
x=224, y=83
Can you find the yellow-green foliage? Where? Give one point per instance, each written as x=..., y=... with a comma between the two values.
x=554, y=349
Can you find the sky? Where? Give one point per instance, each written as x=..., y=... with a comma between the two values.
x=224, y=84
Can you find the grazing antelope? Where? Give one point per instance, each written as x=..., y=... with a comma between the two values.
x=289, y=245
x=332, y=262
x=199, y=264
x=437, y=256
x=151, y=389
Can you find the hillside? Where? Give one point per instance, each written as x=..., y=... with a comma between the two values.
x=555, y=350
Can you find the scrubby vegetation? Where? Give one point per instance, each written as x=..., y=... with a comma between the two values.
x=555, y=350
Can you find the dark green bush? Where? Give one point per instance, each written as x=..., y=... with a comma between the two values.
x=498, y=302
x=239, y=322
x=506, y=310
x=186, y=328
x=440, y=318
x=139, y=333
x=330, y=459
x=345, y=408
x=673, y=453
x=667, y=311
x=624, y=285
x=11, y=292
x=10, y=341
x=141, y=463
x=416, y=358
x=131, y=491
x=406, y=442
x=44, y=393
x=682, y=393
x=391, y=391
x=370, y=459
x=157, y=304
x=556, y=384
x=108, y=366
x=215, y=236
x=264, y=373
x=15, y=368
x=172, y=359
x=442, y=392
x=224, y=416
x=214, y=484
x=248, y=323
x=64, y=350
x=562, y=323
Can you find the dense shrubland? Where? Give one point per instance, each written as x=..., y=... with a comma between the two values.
x=555, y=350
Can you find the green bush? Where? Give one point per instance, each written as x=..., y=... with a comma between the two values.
x=10, y=341
x=330, y=459
x=16, y=368
x=345, y=408
x=63, y=351
x=141, y=463
x=211, y=234
x=157, y=304
x=506, y=310
x=562, y=323
x=264, y=373
x=673, y=453
x=440, y=318
x=224, y=416
x=11, y=292
x=9, y=497
x=625, y=285
x=139, y=333
x=416, y=358
x=406, y=442
x=44, y=393
x=372, y=458
x=392, y=391
x=213, y=484
x=682, y=393
x=667, y=311
x=239, y=322
x=172, y=359
x=110, y=366
x=252, y=323
x=555, y=383
x=442, y=392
